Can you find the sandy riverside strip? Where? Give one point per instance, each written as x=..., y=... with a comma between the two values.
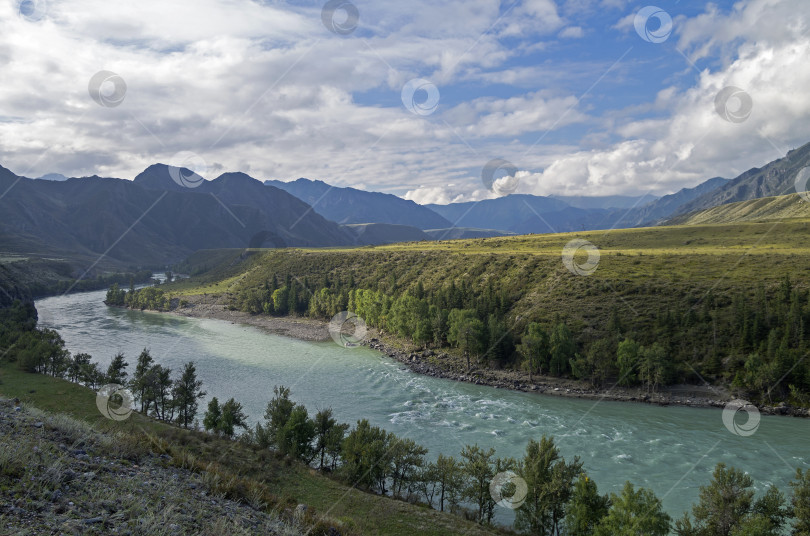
x=443, y=365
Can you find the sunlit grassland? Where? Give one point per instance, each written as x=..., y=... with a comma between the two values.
x=641, y=273
x=705, y=253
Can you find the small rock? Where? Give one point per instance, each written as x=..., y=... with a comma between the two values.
x=38, y=425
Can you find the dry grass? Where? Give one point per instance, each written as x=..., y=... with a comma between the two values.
x=57, y=472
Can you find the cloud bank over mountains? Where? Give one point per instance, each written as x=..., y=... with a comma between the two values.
x=566, y=90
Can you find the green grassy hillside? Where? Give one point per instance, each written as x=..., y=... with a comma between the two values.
x=725, y=303
x=780, y=208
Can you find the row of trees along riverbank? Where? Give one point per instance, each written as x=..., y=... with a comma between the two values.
x=753, y=342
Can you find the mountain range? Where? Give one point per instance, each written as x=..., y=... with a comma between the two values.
x=166, y=213
x=152, y=220
x=350, y=205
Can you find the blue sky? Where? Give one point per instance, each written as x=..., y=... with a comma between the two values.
x=567, y=90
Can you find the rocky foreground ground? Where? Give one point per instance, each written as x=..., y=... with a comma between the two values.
x=59, y=476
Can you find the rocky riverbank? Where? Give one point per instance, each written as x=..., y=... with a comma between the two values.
x=441, y=364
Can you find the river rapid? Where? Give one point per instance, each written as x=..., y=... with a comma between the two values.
x=671, y=450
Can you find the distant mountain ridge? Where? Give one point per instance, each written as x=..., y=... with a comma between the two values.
x=502, y=213
x=660, y=209
x=783, y=207
x=606, y=201
x=773, y=179
x=523, y=214
x=350, y=205
x=148, y=222
x=161, y=216
x=291, y=221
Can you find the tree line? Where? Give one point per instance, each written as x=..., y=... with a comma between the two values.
x=160, y=395
x=559, y=497
x=755, y=342
x=749, y=339
x=144, y=298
